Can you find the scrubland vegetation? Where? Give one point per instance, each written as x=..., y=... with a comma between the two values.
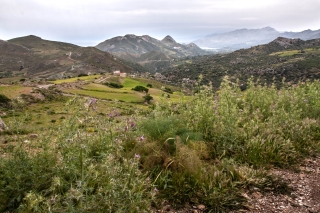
x=205, y=150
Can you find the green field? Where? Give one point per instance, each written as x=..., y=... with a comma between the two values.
x=107, y=95
x=13, y=91
x=82, y=78
x=126, y=93
x=10, y=80
x=129, y=83
x=294, y=52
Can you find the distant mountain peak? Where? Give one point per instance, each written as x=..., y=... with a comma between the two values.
x=268, y=28
x=192, y=45
x=130, y=36
x=245, y=38
x=168, y=39
x=33, y=37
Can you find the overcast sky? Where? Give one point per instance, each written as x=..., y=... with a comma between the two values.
x=87, y=23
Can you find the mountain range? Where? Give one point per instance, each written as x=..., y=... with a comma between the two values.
x=153, y=54
x=33, y=56
x=246, y=38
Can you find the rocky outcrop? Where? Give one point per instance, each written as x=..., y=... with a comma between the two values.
x=3, y=126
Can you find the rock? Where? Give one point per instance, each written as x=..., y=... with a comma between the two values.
x=166, y=208
x=257, y=195
x=201, y=207
x=33, y=136
x=3, y=126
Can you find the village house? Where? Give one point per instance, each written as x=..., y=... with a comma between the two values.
x=117, y=72
x=121, y=74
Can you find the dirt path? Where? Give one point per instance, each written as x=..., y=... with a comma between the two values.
x=304, y=196
x=101, y=79
x=69, y=57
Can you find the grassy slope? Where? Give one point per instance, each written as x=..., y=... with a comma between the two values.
x=14, y=91
x=125, y=94
x=83, y=78
x=43, y=58
x=295, y=61
x=227, y=135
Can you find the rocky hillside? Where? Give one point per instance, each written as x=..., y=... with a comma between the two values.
x=33, y=56
x=149, y=52
x=292, y=59
x=246, y=38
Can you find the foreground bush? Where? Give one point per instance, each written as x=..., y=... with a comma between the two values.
x=230, y=138
x=74, y=170
x=4, y=101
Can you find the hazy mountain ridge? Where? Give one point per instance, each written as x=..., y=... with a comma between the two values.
x=137, y=45
x=246, y=38
x=292, y=59
x=36, y=57
x=149, y=52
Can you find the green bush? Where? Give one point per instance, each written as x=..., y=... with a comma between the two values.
x=4, y=101
x=168, y=90
x=113, y=85
x=147, y=98
x=260, y=127
x=82, y=74
x=141, y=89
x=75, y=172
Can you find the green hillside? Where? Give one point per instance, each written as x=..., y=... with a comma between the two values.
x=34, y=57
x=292, y=59
x=87, y=86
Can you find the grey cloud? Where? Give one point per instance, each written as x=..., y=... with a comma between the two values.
x=90, y=22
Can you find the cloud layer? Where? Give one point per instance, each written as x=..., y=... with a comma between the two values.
x=90, y=22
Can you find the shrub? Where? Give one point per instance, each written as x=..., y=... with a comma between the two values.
x=82, y=74
x=113, y=85
x=74, y=172
x=167, y=89
x=4, y=101
x=141, y=89
x=147, y=98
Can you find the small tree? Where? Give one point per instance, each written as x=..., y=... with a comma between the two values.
x=113, y=85
x=148, y=98
x=4, y=101
x=141, y=89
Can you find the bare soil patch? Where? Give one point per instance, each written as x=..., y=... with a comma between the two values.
x=303, y=196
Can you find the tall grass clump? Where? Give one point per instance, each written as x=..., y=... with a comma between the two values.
x=230, y=139
x=79, y=168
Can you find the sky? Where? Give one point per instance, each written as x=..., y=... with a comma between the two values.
x=87, y=23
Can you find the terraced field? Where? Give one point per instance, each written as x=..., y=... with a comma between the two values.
x=125, y=94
